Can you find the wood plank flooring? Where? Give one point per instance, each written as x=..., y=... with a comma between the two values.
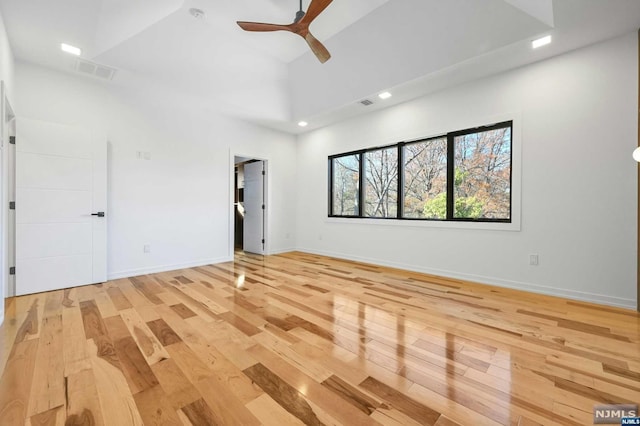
x=304, y=339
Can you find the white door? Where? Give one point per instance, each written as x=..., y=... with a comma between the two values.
x=254, y=206
x=61, y=203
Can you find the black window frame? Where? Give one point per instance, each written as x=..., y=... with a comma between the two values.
x=450, y=138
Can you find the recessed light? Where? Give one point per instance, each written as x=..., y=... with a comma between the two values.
x=303, y=124
x=70, y=49
x=541, y=42
x=384, y=95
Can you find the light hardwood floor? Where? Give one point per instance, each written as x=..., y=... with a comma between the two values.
x=299, y=338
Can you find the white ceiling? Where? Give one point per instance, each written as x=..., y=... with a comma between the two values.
x=411, y=47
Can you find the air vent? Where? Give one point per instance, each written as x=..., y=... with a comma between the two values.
x=366, y=102
x=96, y=70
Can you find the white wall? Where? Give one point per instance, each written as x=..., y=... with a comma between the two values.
x=577, y=115
x=179, y=202
x=6, y=76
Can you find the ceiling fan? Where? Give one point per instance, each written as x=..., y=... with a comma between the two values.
x=299, y=26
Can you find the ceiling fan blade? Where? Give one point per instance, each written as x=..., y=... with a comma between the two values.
x=318, y=48
x=262, y=27
x=315, y=8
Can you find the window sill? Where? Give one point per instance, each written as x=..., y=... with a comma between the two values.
x=485, y=226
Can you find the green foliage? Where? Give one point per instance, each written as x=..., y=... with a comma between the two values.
x=465, y=207
x=460, y=176
x=436, y=208
x=468, y=207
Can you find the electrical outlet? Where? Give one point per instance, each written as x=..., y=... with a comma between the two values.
x=534, y=260
x=147, y=248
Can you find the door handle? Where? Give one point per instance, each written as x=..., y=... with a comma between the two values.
x=99, y=214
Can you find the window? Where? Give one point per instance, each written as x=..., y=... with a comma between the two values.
x=381, y=183
x=425, y=179
x=461, y=176
x=482, y=175
x=346, y=186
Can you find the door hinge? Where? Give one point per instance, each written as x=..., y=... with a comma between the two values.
x=263, y=207
x=12, y=270
x=263, y=173
x=12, y=140
x=263, y=241
x=12, y=205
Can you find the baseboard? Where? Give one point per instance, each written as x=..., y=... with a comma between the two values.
x=165, y=268
x=280, y=251
x=516, y=285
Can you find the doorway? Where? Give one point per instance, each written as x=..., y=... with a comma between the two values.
x=250, y=205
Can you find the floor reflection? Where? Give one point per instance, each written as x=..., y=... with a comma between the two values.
x=450, y=349
x=362, y=332
x=239, y=281
x=401, y=339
